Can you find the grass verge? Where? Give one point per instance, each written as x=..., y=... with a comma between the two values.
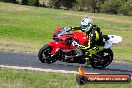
x=31, y=79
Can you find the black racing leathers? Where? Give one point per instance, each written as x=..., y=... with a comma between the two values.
x=95, y=37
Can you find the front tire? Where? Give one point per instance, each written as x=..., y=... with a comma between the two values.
x=44, y=54
x=105, y=58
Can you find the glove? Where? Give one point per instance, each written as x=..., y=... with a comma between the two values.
x=74, y=43
x=79, y=45
x=67, y=29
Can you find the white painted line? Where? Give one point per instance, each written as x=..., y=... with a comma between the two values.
x=40, y=69
x=120, y=62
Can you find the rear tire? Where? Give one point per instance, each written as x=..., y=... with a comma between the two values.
x=102, y=62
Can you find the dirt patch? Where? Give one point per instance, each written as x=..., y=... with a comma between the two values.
x=9, y=21
x=103, y=18
x=19, y=46
x=17, y=8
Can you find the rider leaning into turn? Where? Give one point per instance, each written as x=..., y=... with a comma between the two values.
x=93, y=33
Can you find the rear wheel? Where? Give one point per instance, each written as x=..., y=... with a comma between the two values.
x=101, y=59
x=45, y=54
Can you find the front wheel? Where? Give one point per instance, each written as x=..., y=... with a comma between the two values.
x=101, y=59
x=44, y=54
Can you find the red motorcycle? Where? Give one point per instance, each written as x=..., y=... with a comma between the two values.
x=65, y=48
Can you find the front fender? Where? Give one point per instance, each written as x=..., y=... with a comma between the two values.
x=54, y=46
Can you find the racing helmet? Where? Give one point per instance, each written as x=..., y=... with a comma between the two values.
x=85, y=23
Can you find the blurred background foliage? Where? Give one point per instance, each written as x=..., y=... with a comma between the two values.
x=117, y=7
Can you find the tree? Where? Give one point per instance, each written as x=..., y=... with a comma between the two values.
x=59, y=3
x=111, y=6
x=82, y=5
x=93, y=5
x=9, y=1
x=24, y=2
x=89, y=5
x=117, y=7
x=55, y=4
x=33, y=2
x=12, y=1
x=125, y=9
x=67, y=3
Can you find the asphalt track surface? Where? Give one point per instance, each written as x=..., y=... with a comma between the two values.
x=31, y=60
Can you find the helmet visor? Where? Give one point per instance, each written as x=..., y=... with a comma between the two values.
x=84, y=27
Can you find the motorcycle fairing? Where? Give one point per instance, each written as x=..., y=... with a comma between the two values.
x=56, y=46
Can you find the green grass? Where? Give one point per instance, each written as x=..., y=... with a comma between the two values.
x=31, y=79
x=32, y=27
x=129, y=18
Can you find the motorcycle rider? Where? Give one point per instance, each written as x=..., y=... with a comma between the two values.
x=93, y=33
